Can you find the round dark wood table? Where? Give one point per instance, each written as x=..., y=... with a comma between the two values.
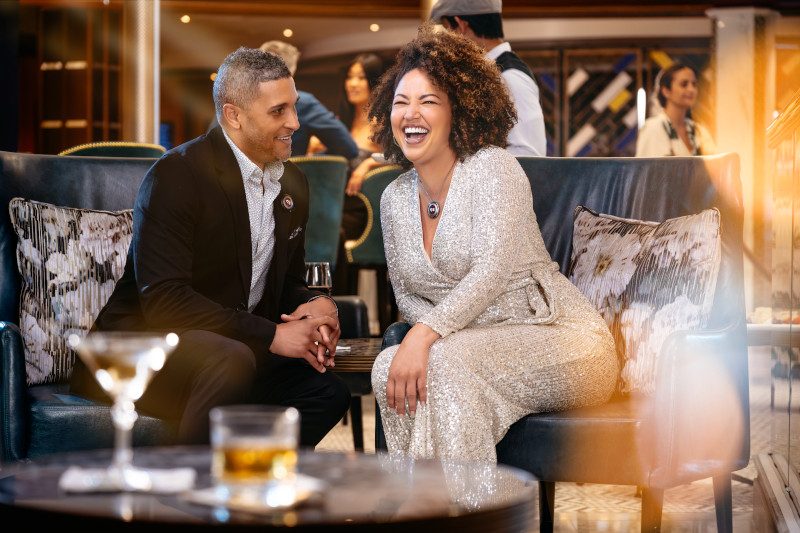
x=361, y=493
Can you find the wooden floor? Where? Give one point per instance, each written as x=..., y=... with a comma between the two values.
x=610, y=508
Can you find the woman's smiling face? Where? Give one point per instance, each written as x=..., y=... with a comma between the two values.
x=421, y=119
x=683, y=91
x=356, y=85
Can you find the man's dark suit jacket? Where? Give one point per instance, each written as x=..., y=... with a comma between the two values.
x=190, y=261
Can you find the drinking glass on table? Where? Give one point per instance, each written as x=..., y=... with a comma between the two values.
x=123, y=363
x=254, y=453
x=318, y=276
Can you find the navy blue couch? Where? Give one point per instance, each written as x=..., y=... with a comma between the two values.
x=44, y=419
x=696, y=425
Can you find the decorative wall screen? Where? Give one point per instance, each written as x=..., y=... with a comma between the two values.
x=589, y=96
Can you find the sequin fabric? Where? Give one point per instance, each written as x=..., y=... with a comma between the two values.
x=517, y=336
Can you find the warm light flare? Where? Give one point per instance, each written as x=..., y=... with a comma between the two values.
x=641, y=106
x=172, y=338
x=186, y=19
x=288, y=32
x=374, y=27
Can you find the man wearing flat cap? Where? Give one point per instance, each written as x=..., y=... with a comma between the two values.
x=481, y=21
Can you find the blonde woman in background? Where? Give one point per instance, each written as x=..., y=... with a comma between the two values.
x=672, y=132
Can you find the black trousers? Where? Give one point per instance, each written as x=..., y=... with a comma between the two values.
x=207, y=370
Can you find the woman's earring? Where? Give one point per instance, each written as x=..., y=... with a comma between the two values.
x=394, y=140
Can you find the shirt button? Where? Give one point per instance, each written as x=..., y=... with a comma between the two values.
x=240, y=307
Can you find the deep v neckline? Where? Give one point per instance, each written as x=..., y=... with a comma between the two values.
x=420, y=214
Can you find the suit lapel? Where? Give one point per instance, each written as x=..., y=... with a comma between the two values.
x=230, y=178
x=277, y=267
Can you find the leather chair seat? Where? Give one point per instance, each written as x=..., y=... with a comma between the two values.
x=554, y=445
x=62, y=422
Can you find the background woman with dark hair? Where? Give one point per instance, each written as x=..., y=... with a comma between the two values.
x=672, y=131
x=361, y=77
x=497, y=331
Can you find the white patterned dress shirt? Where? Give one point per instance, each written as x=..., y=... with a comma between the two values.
x=260, y=188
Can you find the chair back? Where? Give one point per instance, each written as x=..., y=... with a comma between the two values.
x=646, y=189
x=116, y=149
x=368, y=248
x=327, y=176
x=41, y=419
x=103, y=183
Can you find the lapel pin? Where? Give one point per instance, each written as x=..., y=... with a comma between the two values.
x=287, y=202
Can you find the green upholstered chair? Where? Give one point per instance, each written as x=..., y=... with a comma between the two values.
x=327, y=175
x=367, y=251
x=116, y=149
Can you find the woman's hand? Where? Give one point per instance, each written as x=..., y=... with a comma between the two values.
x=408, y=372
x=358, y=175
x=315, y=146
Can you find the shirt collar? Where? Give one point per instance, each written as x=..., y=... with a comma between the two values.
x=251, y=171
x=495, y=52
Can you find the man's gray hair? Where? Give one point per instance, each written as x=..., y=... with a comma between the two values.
x=240, y=74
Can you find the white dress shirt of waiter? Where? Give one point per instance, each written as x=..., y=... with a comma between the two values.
x=481, y=21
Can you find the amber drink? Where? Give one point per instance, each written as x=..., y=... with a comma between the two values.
x=254, y=450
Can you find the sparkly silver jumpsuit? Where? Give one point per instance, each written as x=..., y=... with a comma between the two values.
x=516, y=336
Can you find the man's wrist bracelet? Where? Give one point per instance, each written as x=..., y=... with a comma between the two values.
x=329, y=298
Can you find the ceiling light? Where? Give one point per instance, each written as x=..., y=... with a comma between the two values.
x=288, y=32
x=213, y=76
x=374, y=27
x=185, y=19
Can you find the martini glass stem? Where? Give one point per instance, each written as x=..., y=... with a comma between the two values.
x=124, y=415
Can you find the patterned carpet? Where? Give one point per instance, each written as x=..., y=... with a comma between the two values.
x=591, y=507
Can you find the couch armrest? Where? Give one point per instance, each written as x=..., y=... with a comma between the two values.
x=394, y=334
x=13, y=395
x=701, y=412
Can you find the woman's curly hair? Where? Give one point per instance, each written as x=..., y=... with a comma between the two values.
x=483, y=112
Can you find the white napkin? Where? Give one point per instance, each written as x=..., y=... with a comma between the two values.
x=260, y=500
x=162, y=480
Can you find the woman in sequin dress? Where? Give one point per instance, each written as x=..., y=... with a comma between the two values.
x=498, y=332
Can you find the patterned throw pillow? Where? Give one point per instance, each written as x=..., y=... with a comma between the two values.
x=69, y=260
x=647, y=279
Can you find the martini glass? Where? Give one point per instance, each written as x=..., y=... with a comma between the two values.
x=123, y=363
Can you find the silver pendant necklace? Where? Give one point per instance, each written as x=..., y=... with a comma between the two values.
x=434, y=208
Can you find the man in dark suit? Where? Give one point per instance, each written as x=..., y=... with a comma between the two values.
x=218, y=256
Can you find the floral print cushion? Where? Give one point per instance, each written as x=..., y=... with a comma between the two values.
x=69, y=260
x=647, y=279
